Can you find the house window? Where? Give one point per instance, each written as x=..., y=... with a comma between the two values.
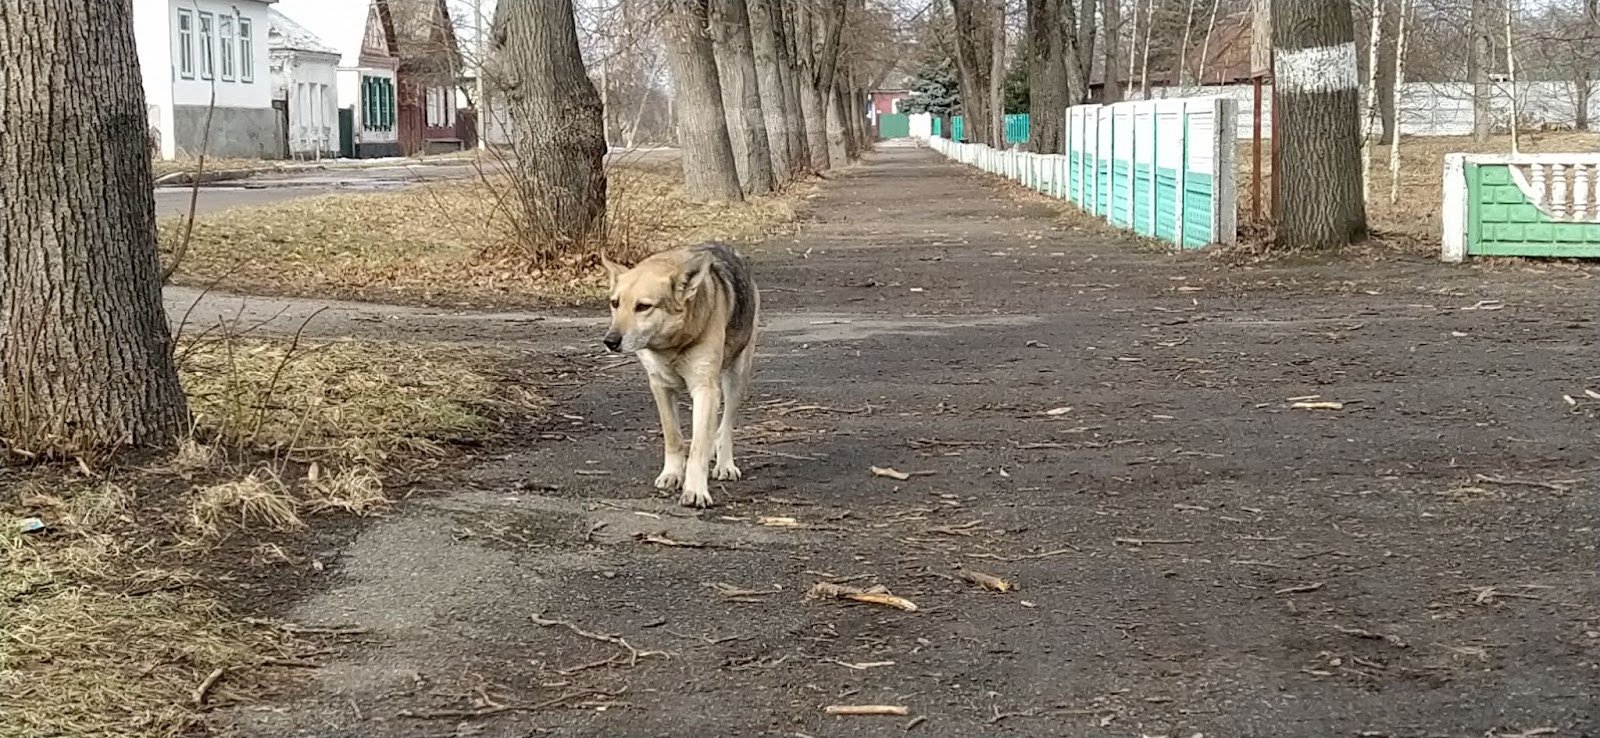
x=226, y=40
x=441, y=114
x=247, y=51
x=186, y=44
x=377, y=103
x=208, y=47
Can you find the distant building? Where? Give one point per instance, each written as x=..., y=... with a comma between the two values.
x=192, y=52
x=305, y=81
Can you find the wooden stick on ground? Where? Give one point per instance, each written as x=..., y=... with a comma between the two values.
x=866, y=710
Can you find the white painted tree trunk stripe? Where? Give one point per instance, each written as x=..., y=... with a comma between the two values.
x=1316, y=70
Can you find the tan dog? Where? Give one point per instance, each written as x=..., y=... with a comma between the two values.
x=690, y=314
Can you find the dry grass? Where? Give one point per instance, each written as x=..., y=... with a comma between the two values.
x=1413, y=223
x=91, y=647
x=358, y=401
x=429, y=242
x=108, y=621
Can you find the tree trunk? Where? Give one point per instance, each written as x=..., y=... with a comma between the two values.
x=790, y=78
x=709, y=171
x=774, y=91
x=1478, y=71
x=560, y=142
x=856, y=95
x=997, y=74
x=1318, y=124
x=818, y=31
x=973, y=60
x=839, y=144
x=1584, y=79
x=741, y=95
x=1047, y=72
x=1111, y=17
x=1386, y=82
x=85, y=351
x=1085, y=31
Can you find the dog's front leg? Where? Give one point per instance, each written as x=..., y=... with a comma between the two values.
x=696, y=483
x=671, y=434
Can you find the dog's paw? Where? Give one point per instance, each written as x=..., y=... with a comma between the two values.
x=669, y=479
x=695, y=497
x=727, y=472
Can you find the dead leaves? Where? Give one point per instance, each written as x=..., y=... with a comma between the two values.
x=987, y=581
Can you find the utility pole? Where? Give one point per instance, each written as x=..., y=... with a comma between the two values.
x=480, y=93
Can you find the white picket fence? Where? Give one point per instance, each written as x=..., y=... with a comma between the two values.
x=1160, y=168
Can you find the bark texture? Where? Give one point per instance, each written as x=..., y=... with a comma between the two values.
x=1111, y=21
x=974, y=60
x=790, y=77
x=1318, y=118
x=1478, y=69
x=817, y=27
x=997, y=74
x=769, y=60
x=85, y=351
x=709, y=171
x=560, y=124
x=741, y=95
x=1054, y=74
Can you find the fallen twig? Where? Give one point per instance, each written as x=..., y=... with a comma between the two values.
x=987, y=581
x=1522, y=483
x=634, y=654
x=201, y=692
x=867, y=710
x=822, y=409
x=890, y=472
x=661, y=540
x=1299, y=588
x=1136, y=542
x=498, y=709
x=878, y=595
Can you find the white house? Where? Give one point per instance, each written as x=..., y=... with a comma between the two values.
x=363, y=35
x=190, y=50
x=305, y=79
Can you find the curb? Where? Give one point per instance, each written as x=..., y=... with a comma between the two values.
x=227, y=175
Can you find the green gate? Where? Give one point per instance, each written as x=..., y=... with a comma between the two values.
x=347, y=133
x=894, y=125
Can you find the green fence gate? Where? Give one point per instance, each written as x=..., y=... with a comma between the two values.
x=1521, y=205
x=894, y=125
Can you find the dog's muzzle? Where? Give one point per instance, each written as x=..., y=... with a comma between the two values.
x=613, y=342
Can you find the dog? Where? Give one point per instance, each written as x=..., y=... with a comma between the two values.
x=690, y=315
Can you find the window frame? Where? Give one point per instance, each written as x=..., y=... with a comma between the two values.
x=247, y=50
x=208, y=45
x=226, y=38
x=186, y=55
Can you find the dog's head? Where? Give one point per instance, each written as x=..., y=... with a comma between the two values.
x=650, y=301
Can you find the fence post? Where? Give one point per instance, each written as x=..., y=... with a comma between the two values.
x=1454, y=217
x=1155, y=169
x=1183, y=173
x=1227, y=190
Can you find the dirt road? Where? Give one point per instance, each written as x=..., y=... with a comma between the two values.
x=1112, y=428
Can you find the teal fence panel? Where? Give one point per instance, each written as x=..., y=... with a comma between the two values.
x=1163, y=169
x=1017, y=128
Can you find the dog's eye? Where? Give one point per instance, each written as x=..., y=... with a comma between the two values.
x=615, y=302
x=641, y=307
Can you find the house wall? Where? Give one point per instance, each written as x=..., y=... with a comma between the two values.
x=883, y=102
x=152, y=29
x=377, y=140
x=308, y=82
x=178, y=94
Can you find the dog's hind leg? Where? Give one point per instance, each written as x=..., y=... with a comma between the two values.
x=735, y=385
x=672, y=463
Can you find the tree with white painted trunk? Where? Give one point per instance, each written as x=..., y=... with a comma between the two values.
x=1319, y=123
x=709, y=171
x=86, y=361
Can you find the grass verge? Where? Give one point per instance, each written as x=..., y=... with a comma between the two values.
x=125, y=616
x=433, y=242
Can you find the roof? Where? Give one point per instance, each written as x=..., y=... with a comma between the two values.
x=284, y=33
x=341, y=24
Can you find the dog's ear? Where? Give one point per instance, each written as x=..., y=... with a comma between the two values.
x=692, y=277
x=613, y=269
